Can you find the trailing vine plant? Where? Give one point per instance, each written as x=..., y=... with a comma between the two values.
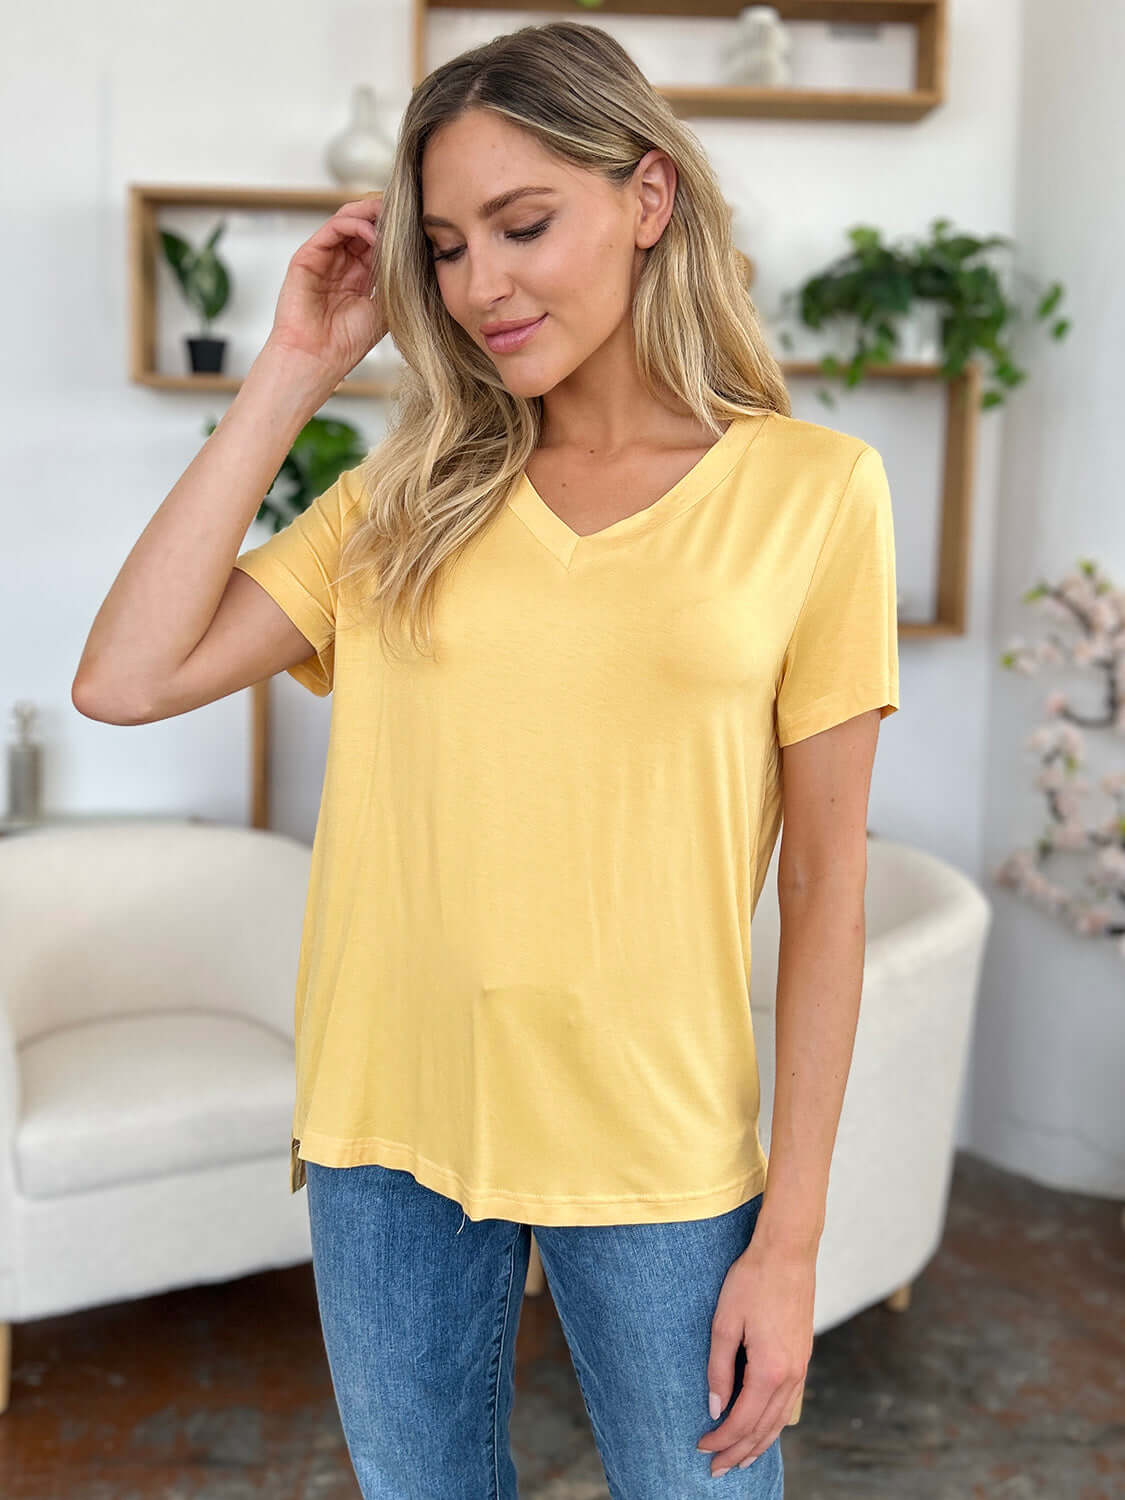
x=874, y=286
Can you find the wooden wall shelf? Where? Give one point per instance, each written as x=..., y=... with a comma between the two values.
x=962, y=407
x=927, y=17
x=146, y=199
x=962, y=417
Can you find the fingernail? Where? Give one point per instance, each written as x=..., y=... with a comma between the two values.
x=746, y=1462
x=718, y=1474
x=714, y=1406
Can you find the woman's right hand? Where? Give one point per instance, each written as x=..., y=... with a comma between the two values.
x=328, y=307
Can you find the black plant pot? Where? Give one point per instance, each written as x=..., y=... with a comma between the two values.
x=206, y=355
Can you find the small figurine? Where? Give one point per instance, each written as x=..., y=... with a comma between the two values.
x=24, y=761
x=759, y=57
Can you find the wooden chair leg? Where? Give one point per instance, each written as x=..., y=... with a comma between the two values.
x=5, y=1364
x=795, y=1417
x=899, y=1300
x=536, y=1282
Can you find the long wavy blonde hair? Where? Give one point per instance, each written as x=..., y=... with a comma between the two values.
x=457, y=439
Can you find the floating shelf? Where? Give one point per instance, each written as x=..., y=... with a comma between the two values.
x=145, y=202
x=962, y=406
x=927, y=17
x=962, y=395
x=962, y=413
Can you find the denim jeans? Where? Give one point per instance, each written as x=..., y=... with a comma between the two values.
x=419, y=1306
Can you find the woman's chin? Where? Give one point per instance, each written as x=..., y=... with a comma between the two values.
x=528, y=383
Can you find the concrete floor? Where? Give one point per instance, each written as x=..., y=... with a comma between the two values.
x=1004, y=1379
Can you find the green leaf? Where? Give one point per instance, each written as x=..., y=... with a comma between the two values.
x=1050, y=300
x=176, y=250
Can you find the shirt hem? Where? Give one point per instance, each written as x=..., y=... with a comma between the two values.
x=526, y=1208
x=836, y=708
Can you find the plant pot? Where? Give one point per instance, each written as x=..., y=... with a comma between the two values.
x=206, y=355
x=837, y=336
x=840, y=336
x=919, y=334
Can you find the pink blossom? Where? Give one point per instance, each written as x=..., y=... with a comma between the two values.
x=1052, y=606
x=1103, y=614
x=1066, y=803
x=1093, y=919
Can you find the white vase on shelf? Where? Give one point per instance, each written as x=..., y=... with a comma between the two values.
x=359, y=158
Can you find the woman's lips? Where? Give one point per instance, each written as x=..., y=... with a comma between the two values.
x=515, y=338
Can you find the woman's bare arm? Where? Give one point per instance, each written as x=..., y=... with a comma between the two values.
x=177, y=629
x=170, y=586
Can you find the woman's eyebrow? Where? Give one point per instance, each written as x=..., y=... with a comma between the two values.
x=492, y=206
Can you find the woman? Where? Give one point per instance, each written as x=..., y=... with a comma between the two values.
x=597, y=612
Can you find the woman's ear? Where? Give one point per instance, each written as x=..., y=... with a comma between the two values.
x=655, y=180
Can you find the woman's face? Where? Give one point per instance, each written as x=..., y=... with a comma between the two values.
x=568, y=254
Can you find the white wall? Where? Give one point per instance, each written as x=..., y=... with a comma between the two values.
x=98, y=97
x=1048, y=1097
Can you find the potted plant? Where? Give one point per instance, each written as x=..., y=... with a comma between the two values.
x=205, y=283
x=321, y=451
x=879, y=295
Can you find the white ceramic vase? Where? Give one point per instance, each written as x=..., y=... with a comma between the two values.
x=360, y=157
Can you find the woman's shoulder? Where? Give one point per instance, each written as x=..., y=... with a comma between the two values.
x=791, y=438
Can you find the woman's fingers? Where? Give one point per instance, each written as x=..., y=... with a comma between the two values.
x=362, y=205
x=337, y=228
x=769, y=1426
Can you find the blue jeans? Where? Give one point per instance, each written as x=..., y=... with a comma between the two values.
x=419, y=1306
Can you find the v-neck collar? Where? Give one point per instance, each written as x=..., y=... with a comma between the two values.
x=713, y=467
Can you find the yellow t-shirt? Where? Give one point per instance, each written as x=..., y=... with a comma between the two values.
x=525, y=962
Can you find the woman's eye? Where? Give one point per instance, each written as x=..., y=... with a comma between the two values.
x=513, y=234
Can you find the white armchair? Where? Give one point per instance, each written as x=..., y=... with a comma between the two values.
x=927, y=924
x=147, y=976
x=146, y=1066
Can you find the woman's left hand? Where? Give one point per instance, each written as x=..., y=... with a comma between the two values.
x=766, y=1303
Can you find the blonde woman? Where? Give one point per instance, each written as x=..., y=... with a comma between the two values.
x=597, y=613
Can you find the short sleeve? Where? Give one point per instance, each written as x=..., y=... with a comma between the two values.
x=842, y=658
x=298, y=567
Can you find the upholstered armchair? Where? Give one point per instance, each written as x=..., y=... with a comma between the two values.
x=147, y=974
